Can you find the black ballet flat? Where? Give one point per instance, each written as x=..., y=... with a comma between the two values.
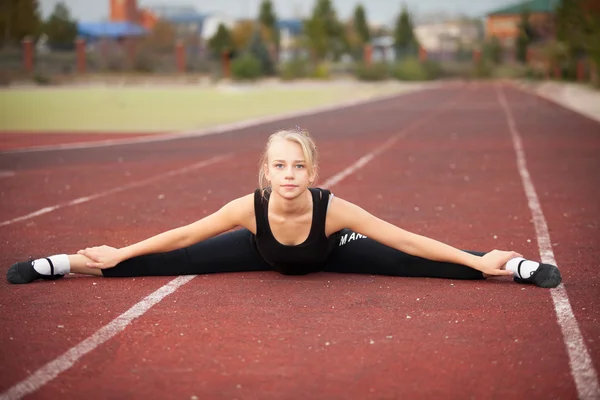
x=23, y=272
x=546, y=276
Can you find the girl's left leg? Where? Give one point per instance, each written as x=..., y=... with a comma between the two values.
x=358, y=254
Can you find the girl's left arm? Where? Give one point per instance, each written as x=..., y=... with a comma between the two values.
x=343, y=214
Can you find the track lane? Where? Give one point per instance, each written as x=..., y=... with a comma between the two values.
x=564, y=150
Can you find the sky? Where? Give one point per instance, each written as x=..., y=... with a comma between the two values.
x=378, y=11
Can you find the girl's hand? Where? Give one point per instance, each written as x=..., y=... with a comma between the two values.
x=494, y=262
x=102, y=256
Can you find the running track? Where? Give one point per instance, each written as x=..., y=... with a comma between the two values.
x=440, y=162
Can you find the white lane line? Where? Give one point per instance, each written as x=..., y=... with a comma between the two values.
x=94, y=196
x=364, y=160
x=54, y=368
x=217, y=129
x=582, y=369
x=6, y=174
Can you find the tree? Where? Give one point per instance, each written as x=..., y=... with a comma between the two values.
x=60, y=28
x=405, y=41
x=360, y=24
x=268, y=21
x=259, y=50
x=492, y=50
x=221, y=41
x=324, y=32
x=18, y=19
x=525, y=36
x=242, y=33
x=578, y=27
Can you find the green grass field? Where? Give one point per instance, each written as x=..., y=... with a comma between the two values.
x=155, y=109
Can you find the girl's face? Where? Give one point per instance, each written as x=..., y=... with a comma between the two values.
x=287, y=170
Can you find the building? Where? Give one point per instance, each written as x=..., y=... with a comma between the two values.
x=504, y=23
x=289, y=31
x=124, y=11
x=189, y=22
x=123, y=24
x=444, y=39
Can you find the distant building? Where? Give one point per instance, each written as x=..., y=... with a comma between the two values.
x=188, y=21
x=123, y=23
x=504, y=23
x=441, y=39
x=124, y=11
x=289, y=32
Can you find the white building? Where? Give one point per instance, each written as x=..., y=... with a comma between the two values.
x=447, y=37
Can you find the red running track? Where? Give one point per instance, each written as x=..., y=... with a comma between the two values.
x=451, y=175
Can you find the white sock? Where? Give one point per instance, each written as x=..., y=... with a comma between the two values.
x=61, y=263
x=528, y=267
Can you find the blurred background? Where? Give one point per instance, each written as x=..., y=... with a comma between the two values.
x=50, y=41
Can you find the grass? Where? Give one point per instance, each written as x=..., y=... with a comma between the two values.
x=159, y=109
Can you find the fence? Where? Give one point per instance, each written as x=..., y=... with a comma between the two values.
x=109, y=56
x=143, y=57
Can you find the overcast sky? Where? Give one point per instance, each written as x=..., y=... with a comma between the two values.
x=378, y=11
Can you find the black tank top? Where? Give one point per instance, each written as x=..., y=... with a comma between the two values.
x=301, y=259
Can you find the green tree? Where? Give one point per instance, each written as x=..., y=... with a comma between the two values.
x=60, y=28
x=492, y=50
x=578, y=27
x=268, y=20
x=360, y=24
x=260, y=52
x=18, y=19
x=525, y=36
x=324, y=33
x=405, y=41
x=221, y=41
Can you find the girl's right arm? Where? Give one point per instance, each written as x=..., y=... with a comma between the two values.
x=239, y=212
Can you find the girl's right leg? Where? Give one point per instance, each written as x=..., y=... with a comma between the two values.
x=229, y=252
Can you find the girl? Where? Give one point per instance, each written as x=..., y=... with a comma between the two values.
x=292, y=228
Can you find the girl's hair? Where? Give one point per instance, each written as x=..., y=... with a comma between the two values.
x=299, y=136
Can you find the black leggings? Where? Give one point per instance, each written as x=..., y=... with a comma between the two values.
x=235, y=252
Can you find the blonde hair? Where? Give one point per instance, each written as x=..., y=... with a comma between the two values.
x=299, y=136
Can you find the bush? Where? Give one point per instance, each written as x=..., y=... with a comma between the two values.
x=411, y=69
x=534, y=73
x=246, y=67
x=294, y=69
x=515, y=71
x=455, y=69
x=116, y=62
x=42, y=78
x=4, y=78
x=482, y=69
x=433, y=70
x=321, y=71
x=373, y=72
x=143, y=61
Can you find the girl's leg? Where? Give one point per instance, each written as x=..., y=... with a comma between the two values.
x=361, y=255
x=229, y=252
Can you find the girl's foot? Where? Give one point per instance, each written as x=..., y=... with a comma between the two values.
x=546, y=276
x=24, y=272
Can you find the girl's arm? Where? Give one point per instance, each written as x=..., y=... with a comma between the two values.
x=343, y=214
x=239, y=212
